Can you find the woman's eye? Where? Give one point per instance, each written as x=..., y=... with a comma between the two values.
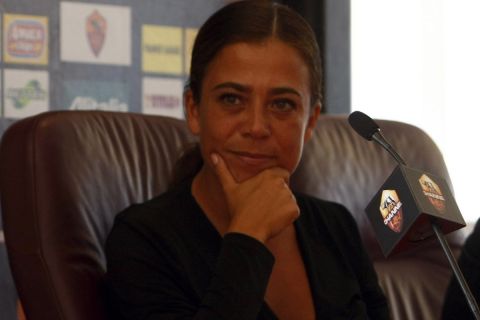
x=284, y=105
x=229, y=98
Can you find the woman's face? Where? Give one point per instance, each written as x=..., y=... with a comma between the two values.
x=255, y=109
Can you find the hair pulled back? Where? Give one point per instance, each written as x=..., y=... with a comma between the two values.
x=250, y=21
x=254, y=21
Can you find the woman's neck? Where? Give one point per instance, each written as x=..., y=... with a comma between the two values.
x=209, y=194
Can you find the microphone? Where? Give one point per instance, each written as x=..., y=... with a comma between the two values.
x=411, y=206
x=368, y=129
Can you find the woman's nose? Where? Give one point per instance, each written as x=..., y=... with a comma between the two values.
x=257, y=122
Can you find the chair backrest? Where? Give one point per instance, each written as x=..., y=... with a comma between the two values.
x=64, y=176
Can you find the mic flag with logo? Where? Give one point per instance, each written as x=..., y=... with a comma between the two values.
x=402, y=210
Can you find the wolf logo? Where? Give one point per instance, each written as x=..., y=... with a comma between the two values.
x=433, y=193
x=391, y=210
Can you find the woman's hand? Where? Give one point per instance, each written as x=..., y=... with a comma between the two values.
x=261, y=206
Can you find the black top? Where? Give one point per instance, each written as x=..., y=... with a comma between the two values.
x=165, y=260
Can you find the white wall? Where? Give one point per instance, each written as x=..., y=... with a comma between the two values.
x=418, y=61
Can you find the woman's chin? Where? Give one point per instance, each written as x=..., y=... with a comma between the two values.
x=243, y=174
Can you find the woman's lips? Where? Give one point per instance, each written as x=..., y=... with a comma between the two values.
x=254, y=159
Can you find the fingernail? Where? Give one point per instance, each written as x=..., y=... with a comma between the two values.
x=214, y=158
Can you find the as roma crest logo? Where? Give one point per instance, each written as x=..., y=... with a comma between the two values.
x=391, y=210
x=96, y=28
x=433, y=193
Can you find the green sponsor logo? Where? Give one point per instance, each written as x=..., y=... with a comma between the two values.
x=23, y=96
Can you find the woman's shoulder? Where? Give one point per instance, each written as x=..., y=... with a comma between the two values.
x=160, y=211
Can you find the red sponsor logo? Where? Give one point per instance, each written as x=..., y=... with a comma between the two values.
x=96, y=28
x=26, y=39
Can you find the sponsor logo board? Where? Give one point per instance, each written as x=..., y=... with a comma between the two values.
x=95, y=95
x=95, y=33
x=163, y=96
x=25, y=39
x=162, y=49
x=26, y=93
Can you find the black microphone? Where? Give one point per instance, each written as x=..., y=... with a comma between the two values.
x=368, y=129
x=411, y=206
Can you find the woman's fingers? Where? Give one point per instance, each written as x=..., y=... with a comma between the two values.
x=261, y=206
x=224, y=175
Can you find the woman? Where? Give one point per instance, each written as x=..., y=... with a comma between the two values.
x=233, y=241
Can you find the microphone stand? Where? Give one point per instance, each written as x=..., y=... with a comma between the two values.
x=380, y=139
x=456, y=270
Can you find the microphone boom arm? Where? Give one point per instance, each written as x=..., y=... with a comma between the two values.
x=380, y=139
x=456, y=270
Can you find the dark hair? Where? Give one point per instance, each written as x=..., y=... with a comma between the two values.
x=254, y=21
x=247, y=21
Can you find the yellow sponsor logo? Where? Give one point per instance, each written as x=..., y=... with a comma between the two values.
x=190, y=35
x=25, y=39
x=162, y=49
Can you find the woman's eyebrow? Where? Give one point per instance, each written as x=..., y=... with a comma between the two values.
x=243, y=88
x=283, y=90
x=232, y=85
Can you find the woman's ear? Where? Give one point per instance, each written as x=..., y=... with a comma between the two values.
x=192, y=114
x=312, y=121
